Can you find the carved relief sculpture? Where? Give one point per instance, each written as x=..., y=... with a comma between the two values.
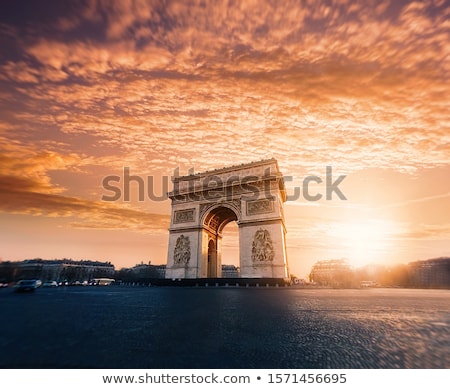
x=184, y=216
x=259, y=206
x=182, y=252
x=262, y=247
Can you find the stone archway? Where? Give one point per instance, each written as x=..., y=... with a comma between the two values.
x=203, y=204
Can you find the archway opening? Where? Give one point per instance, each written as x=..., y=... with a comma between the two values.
x=220, y=222
x=212, y=259
x=230, y=251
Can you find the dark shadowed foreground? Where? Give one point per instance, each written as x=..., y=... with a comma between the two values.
x=121, y=327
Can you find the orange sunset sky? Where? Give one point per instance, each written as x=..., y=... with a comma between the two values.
x=90, y=87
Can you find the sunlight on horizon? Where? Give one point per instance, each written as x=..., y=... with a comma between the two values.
x=362, y=243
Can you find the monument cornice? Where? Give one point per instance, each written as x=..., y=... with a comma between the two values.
x=233, y=191
x=228, y=169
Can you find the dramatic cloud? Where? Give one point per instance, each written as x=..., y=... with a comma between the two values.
x=90, y=87
x=26, y=188
x=20, y=196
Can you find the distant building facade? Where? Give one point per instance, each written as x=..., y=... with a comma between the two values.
x=148, y=271
x=333, y=273
x=431, y=273
x=141, y=273
x=160, y=271
x=230, y=271
x=60, y=270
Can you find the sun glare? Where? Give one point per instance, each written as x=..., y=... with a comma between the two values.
x=364, y=242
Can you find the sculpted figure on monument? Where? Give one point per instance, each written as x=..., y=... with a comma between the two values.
x=182, y=252
x=262, y=247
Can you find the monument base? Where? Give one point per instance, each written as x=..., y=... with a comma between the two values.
x=221, y=282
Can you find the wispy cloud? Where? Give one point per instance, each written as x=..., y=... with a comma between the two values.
x=419, y=200
x=424, y=231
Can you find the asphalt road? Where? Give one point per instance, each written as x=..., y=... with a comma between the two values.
x=168, y=327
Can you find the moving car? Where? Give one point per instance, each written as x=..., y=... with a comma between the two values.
x=27, y=285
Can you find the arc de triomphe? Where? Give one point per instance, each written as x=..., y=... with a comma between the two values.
x=202, y=204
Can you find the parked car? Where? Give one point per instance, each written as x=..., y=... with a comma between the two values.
x=50, y=284
x=27, y=285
